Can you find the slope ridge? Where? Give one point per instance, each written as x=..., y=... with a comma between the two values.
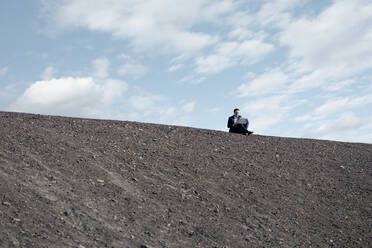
x=70, y=182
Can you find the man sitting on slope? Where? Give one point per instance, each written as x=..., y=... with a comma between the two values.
x=237, y=124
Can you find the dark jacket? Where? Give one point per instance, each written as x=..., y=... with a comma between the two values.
x=230, y=121
x=235, y=129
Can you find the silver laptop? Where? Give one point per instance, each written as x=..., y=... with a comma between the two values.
x=242, y=121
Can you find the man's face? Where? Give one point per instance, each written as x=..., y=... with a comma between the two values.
x=237, y=113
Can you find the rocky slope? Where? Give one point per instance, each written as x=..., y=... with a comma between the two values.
x=67, y=182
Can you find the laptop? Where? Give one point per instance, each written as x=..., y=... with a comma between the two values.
x=242, y=121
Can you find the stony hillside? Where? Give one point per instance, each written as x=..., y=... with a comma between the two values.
x=67, y=182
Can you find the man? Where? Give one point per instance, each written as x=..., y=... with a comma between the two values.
x=236, y=127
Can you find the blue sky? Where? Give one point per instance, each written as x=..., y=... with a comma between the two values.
x=296, y=68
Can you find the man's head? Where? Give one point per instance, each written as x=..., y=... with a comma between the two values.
x=236, y=112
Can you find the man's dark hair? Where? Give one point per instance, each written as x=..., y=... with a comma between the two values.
x=236, y=109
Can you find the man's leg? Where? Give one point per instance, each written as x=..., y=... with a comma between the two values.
x=243, y=129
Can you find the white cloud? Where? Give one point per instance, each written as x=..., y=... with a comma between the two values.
x=303, y=118
x=132, y=69
x=213, y=110
x=347, y=125
x=165, y=24
x=189, y=107
x=113, y=90
x=249, y=75
x=145, y=101
x=240, y=34
x=325, y=51
x=191, y=80
x=339, y=118
x=325, y=54
x=364, y=138
x=274, y=12
x=229, y=54
x=339, y=85
x=8, y=93
x=108, y=98
x=48, y=73
x=155, y=108
x=175, y=67
x=244, y=33
x=334, y=45
x=318, y=52
x=266, y=112
x=342, y=104
x=124, y=56
x=269, y=82
x=69, y=96
x=3, y=71
x=101, y=67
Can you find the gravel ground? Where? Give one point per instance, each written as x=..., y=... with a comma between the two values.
x=68, y=182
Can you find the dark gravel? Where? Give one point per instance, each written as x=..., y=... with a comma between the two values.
x=67, y=182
